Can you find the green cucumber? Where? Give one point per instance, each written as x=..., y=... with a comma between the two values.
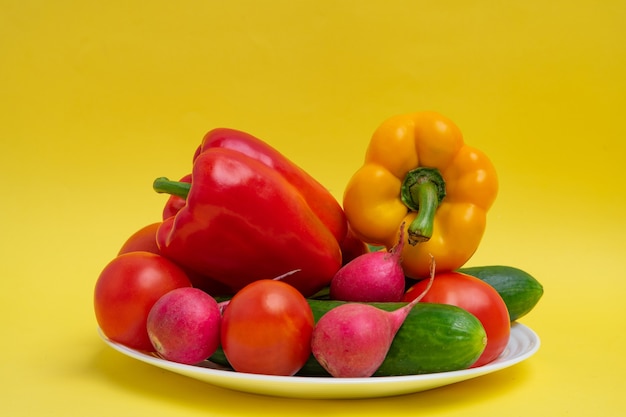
x=519, y=290
x=433, y=338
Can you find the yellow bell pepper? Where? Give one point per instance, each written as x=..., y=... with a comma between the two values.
x=418, y=171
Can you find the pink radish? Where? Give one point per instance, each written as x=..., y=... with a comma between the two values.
x=184, y=325
x=371, y=277
x=352, y=340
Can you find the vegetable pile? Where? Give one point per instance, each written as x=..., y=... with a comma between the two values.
x=254, y=265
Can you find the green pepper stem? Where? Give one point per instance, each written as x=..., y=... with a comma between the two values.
x=164, y=185
x=422, y=191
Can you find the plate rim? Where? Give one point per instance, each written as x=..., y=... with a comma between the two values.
x=285, y=386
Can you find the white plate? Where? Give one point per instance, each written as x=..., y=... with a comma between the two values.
x=523, y=343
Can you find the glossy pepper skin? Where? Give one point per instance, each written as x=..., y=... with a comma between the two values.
x=320, y=201
x=419, y=171
x=252, y=214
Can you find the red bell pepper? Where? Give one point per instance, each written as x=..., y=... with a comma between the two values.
x=252, y=214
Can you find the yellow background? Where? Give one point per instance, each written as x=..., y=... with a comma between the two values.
x=99, y=98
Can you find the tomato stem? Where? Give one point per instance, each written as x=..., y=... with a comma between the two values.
x=422, y=191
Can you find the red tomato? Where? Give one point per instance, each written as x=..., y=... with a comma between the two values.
x=143, y=239
x=266, y=329
x=475, y=296
x=126, y=290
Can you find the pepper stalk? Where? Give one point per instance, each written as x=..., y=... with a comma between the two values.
x=164, y=185
x=422, y=191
